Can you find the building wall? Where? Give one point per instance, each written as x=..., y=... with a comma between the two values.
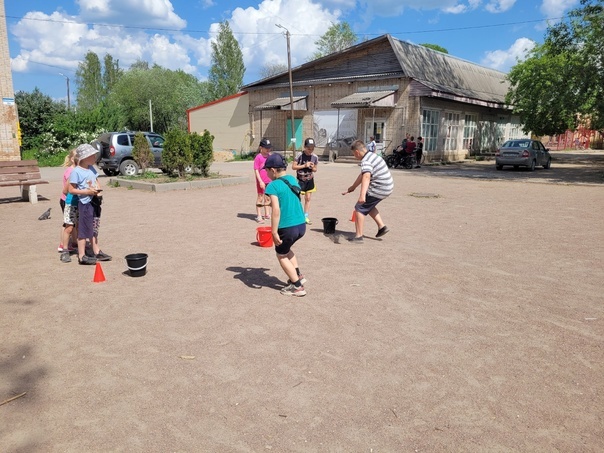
x=227, y=120
x=494, y=125
x=9, y=141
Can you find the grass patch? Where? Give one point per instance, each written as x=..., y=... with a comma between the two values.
x=160, y=178
x=44, y=159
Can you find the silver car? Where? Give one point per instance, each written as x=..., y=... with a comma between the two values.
x=523, y=153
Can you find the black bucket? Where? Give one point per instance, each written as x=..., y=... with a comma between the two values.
x=329, y=225
x=137, y=264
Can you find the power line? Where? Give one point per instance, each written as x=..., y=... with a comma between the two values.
x=188, y=30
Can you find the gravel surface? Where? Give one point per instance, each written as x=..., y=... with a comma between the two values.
x=475, y=324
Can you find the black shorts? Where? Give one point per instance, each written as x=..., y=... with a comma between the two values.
x=370, y=203
x=288, y=238
x=307, y=186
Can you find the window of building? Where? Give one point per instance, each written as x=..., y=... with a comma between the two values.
x=452, y=129
x=430, y=119
x=469, y=129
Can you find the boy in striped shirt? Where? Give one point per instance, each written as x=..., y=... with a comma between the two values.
x=376, y=184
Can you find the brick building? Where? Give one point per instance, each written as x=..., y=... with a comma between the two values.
x=9, y=140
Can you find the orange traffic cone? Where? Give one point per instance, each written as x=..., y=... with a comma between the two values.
x=99, y=276
x=353, y=217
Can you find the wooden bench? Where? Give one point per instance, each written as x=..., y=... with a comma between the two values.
x=23, y=173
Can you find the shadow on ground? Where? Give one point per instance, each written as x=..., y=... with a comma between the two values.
x=256, y=277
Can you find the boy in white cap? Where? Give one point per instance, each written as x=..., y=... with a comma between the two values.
x=83, y=183
x=306, y=166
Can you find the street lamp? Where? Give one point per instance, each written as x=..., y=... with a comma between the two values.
x=291, y=87
x=68, y=98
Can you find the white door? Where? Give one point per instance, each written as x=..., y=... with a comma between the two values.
x=376, y=128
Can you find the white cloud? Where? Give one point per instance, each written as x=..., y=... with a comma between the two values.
x=557, y=8
x=147, y=13
x=503, y=60
x=256, y=30
x=499, y=6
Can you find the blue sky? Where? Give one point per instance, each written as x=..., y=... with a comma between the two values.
x=49, y=37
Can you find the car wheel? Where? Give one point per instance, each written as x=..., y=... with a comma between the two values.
x=532, y=166
x=109, y=172
x=129, y=168
x=499, y=167
x=188, y=169
x=548, y=164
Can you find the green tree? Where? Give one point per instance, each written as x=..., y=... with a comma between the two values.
x=111, y=73
x=226, y=73
x=89, y=81
x=141, y=151
x=435, y=47
x=337, y=37
x=561, y=82
x=271, y=69
x=177, y=154
x=171, y=93
x=202, y=147
x=36, y=114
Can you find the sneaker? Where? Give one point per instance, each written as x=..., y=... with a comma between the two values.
x=382, y=231
x=102, y=256
x=87, y=260
x=259, y=219
x=356, y=240
x=300, y=277
x=60, y=248
x=266, y=217
x=293, y=290
x=65, y=258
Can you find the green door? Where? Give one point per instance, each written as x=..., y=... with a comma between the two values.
x=298, y=135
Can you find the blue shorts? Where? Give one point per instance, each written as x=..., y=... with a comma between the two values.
x=288, y=237
x=85, y=221
x=370, y=203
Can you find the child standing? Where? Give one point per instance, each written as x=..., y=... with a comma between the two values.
x=306, y=166
x=69, y=206
x=83, y=183
x=287, y=224
x=262, y=180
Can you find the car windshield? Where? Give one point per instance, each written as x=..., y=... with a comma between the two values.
x=517, y=144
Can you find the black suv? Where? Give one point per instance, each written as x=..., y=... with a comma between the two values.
x=115, y=152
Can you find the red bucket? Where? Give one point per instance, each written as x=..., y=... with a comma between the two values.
x=264, y=236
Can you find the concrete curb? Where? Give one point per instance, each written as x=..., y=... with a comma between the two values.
x=184, y=185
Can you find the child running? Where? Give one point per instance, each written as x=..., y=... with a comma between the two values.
x=288, y=224
x=262, y=180
x=83, y=183
x=376, y=184
x=306, y=166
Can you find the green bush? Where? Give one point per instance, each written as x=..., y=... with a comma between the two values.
x=203, y=151
x=44, y=159
x=177, y=153
x=141, y=151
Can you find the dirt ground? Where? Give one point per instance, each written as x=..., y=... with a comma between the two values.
x=476, y=324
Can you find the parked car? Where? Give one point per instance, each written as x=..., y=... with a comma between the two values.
x=115, y=152
x=523, y=153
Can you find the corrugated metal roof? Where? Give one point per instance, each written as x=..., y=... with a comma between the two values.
x=440, y=72
x=278, y=103
x=445, y=73
x=367, y=99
